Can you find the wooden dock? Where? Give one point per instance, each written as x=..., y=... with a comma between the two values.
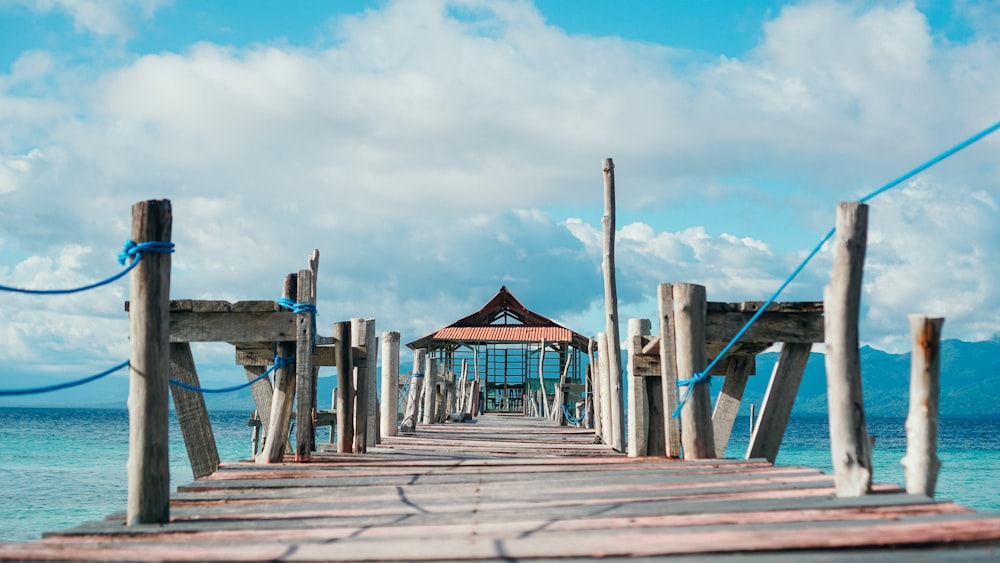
x=506, y=488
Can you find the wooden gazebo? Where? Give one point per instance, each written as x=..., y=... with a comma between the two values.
x=510, y=349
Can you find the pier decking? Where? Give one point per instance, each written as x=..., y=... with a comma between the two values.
x=513, y=488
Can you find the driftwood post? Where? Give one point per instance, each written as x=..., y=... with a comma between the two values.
x=359, y=339
x=593, y=375
x=192, y=414
x=690, y=310
x=149, y=368
x=430, y=391
x=390, y=383
x=605, y=382
x=262, y=393
x=345, y=387
x=412, y=408
x=541, y=380
x=850, y=444
x=305, y=336
x=638, y=402
x=921, y=463
x=668, y=371
x=611, y=306
x=284, y=392
x=370, y=343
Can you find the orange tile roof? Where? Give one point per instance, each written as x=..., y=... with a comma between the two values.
x=505, y=333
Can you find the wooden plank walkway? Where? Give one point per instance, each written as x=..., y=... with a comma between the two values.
x=509, y=488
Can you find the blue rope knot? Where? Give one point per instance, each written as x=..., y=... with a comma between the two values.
x=133, y=249
x=572, y=419
x=297, y=307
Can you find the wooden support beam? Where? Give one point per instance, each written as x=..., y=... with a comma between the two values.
x=284, y=393
x=727, y=405
x=411, y=412
x=189, y=326
x=192, y=414
x=850, y=444
x=262, y=394
x=148, y=466
x=430, y=391
x=611, y=309
x=765, y=441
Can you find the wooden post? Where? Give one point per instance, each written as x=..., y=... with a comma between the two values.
x=192, y=414
x=611, y=307
x=149, y=369
x=595, y=386
x=411, y=414
x=390, y=383
x=284, y=392
x=305, y=336
x=360, y=380
x=850, y=444
x=668, y=371
x=605, y=382
x=371, y=384
x=690, y=310
x=345, y=387
x=430, y=390
x=921, y=463
x=541, y=380
x=778, y=400
x=638, y=410
x=727, y=405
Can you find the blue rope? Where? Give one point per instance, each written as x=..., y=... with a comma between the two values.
x=572, y=419
x=418, y=374
x=57, y=387
x=296, y=307
x=704, y=374
x=278, y=363
x=131, y=250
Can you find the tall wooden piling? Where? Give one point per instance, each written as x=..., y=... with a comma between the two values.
x=611, y=307
x=284, y=392
x=605, y=383
x=390, y=383
x=921, y=463
x=345, y=386
x=690, y=309
x=148, y=465
x=595, y=387
x=850, y=444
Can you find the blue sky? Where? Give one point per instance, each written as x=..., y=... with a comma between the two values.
x=434, y=150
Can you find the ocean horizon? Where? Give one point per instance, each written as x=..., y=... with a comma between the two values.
x=66, y=466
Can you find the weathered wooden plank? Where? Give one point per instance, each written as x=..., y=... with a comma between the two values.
x=192, y=414
x=232, y=327
x=727, y=405
x=776, y=408
x=769, y=327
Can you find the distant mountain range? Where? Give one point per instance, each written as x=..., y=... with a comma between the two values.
x=970, y=385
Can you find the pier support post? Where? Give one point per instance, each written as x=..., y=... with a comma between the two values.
x=411, y=414
x=668, y=371
x=430, y=391
x=727, y=404
x=605, y=382
x=305, y=331
x=921, y=463
x=390, y=383
x=345, y=387
x=284, y=392
x=148, y=465
x=594, y=375
x=690, y=310
x=638, y=402
x=850, y=444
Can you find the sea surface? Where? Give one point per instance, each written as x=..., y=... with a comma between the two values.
x=62, y=467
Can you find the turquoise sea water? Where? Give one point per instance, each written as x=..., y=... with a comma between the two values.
x=62, y=467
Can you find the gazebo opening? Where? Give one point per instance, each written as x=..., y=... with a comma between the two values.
x=513, y=351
